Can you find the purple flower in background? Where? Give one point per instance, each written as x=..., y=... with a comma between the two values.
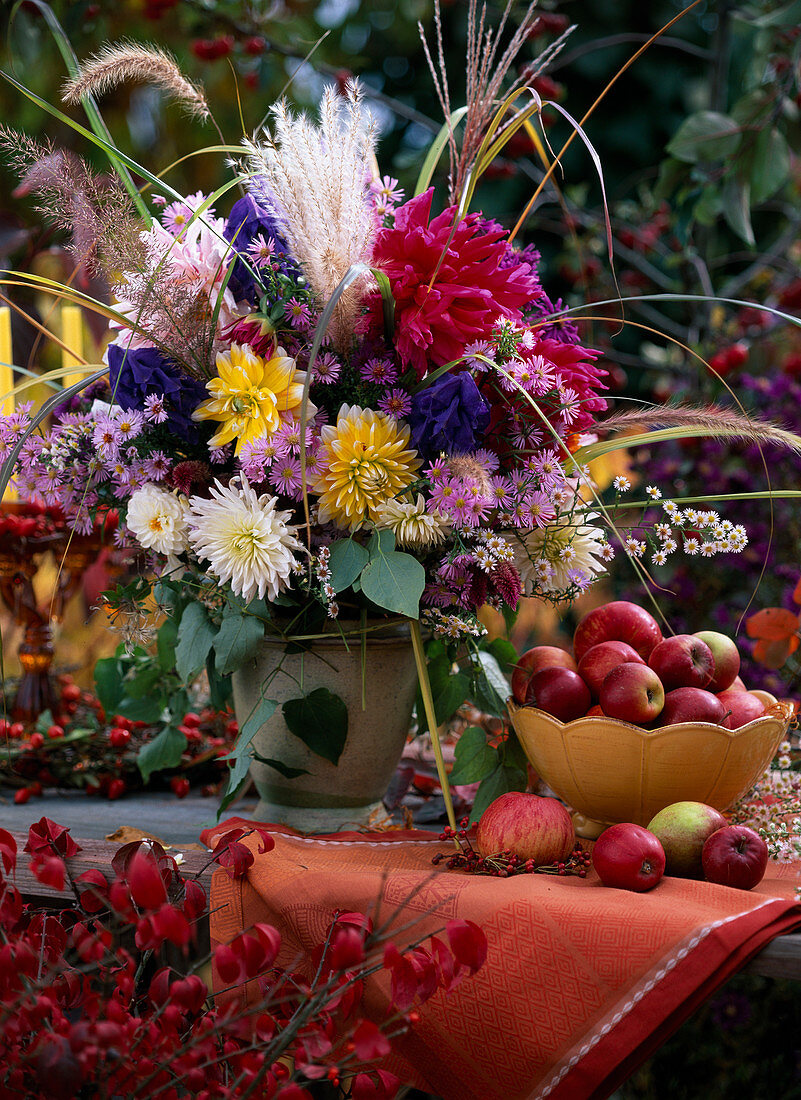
x=249, y=219
x=136, y=373
x=449, y=415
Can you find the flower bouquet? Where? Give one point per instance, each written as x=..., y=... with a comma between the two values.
x=328, y=410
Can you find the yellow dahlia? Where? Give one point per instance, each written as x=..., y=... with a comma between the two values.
x=250, y=395
x=364, y=461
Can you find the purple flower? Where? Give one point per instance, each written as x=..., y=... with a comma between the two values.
x=138, y=372
x=449, y=415
x=249, y=219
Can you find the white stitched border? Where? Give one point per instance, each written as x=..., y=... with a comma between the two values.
x=638, y=996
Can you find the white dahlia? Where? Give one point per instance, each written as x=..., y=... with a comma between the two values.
x=158, y=520
x=413, y=526
x=244, y=539
x=549, y=559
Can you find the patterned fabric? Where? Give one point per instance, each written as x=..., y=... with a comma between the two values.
x=581, y=983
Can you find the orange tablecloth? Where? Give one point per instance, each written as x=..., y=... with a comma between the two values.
x=581, y=982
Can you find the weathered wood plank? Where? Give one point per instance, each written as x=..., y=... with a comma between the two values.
x=780, y=959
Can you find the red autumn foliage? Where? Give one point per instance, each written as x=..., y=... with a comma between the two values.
x=81, y=1014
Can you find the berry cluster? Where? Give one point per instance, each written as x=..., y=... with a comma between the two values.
x=505, y=863
x=104, y=996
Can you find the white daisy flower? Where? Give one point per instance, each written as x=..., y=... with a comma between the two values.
x=691, y=546
x=158, y=520
x=653, y=492
x=244, y=539
x=622, y=484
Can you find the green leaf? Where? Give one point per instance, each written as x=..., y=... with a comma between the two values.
x=284, y=769
x=44, y=721
x=238, y=640
x=501, y=781
x=164, y=751
x=320, y=720
x=148, y=709
x=474, y=758
x=453, y=694
x=144, y=682
x=347, y=560
x=108, y=683
x=395, y=582
x=220, y=690
x=514, y=755
x=196, y=636
x=240, y=755
x=165, y=644
x=503, y=651
x=382, y=542
x=705, y=136
x=737, y=208
x=770, y=167
x=491, y=688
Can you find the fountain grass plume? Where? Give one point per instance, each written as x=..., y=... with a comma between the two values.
x=135, y=61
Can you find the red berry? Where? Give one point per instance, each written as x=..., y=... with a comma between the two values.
x=70, y=693
x=17, y=729
x=55, y=731
x=179, y=786
x=118, y=720
x=5, y=727
x=191, y=719
x=254, y=45
x=36, y=788
x=115, y=788
x=36, y=740
x=22, y=796
x=119, y=737
x=232, y=727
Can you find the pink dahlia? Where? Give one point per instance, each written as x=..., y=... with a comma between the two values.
x=474, y=282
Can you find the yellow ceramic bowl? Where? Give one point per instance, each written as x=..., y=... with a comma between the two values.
x=611, y=771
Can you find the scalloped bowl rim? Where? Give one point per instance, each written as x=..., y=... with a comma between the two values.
x=660, y=731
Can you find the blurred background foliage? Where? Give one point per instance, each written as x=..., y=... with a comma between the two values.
x=698, y=139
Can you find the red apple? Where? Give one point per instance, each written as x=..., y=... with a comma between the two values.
x=533, y=660
x=601, y=659
x=618, y=621
x=683, y=661
x=629, y=857
x=560, y=692
x=632, y=692
x=688, y=704
x=726, y=657
x=528, y=826
x=735, y=856
x=741, y=707
x=683, y=828
x=737, y=684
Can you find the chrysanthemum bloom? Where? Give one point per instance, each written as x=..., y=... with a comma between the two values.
x=158, y=520
x=562, y=547
x=365, y=460
x=448, y=293
x=244, y=540
x=412, y=524
x=250, y=394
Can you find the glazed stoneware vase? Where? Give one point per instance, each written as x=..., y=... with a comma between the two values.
x=376, y=680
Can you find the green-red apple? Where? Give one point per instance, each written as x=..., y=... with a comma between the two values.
x=727, y=659
x=683, y=828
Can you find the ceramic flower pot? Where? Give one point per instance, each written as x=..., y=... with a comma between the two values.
x=377, y=686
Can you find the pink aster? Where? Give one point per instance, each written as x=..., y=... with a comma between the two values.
x=285, y=476
x=154, y=408
x=326, y=368
x=298, y=314
x=449, y=284
x=396, y=403
x=380, y=371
